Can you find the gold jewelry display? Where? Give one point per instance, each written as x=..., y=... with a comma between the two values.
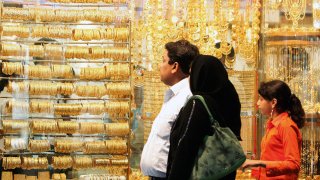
x=117, y=107
x=50, y=88
x=12, y=68
x=40, y=31
x=153, y=100
x=37, y=106
x=287, y=63
x=53, y=51
x=68, y=145
x=94, y=147
x=39, y=145
x=109, y=162
x=294, y=10
x=68, y=127
x=52, y=32
x=59, y=176
x=7, y=143
x=92, y=73
x=117, y=129
x=43, y=126
x=65, y=88
x=310, y=149
x=69, y=16
x=17, y=87
x=34, y=50
x=77, y=52
x=61, y=15
x=117, y=71
x=247, y=46
x=91, y=91
x=93, y=108
x=92, y=128
x=11, y=162
x=62, y=71
x=41, y=87
x=15, y=126
x=248, y=140
x=67, y=109
x=83, y=162
x=119, y=160
x=88, y=1
x=38, y=71
x=245, y=84
x=97, y=52
x=62, y=76
x=16, y=106
x=118, y=88
x=34, y=163
x=316, y=14
x=97, y=34
x=10, y=13
x=11, y=49
x=62, y=162
x=19, y=31
x=12, y=144
x=116, y=146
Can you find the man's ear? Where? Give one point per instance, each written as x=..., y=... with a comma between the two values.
x=175, y=67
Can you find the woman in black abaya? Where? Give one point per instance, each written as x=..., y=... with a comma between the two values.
x=208, y=78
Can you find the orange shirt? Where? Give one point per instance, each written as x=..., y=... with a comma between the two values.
x=281, y=146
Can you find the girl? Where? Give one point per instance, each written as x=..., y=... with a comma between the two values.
x=280, y=146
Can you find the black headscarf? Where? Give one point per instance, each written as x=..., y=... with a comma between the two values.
x=209, y=78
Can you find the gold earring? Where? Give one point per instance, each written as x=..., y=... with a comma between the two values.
x=271, y=113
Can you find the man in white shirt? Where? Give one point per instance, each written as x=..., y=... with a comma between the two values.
x=174, y=71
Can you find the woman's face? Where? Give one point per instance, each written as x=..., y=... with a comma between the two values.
x=264, y=106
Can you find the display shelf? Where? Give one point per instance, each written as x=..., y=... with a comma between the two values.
x=25, y=153
x=65, y=42
x=4, y=117
x=104, y=99
x=292, y=43
x=65, y=80
x=312, y=115
x=293, y=33
x=290, y=53
x=99, y=4
x=66, y=61
x=61, y=23
x=310, y=124
x=89, y=60
x=63, y=135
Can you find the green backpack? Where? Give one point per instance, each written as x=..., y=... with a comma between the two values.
x=220, y=154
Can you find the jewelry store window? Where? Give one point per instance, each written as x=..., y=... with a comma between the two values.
x=290, y=51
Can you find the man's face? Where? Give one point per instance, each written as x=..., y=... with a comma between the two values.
x=166, y=69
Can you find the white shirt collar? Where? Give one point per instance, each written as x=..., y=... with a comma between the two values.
x=180, y=85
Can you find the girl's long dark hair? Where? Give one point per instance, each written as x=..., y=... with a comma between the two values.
x=286, y=102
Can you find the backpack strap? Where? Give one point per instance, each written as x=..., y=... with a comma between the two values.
x=212, y=120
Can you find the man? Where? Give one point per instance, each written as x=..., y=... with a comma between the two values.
x=174, y=71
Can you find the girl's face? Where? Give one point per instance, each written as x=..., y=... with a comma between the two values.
x=265, y=106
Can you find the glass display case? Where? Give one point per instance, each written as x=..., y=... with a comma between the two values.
x=220, y=28
x=290, y=52
x=65, y=110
